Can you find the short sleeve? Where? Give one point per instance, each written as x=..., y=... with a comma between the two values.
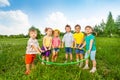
x=92, y=37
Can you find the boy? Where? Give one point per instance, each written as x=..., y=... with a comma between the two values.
x=79, y=38
x=90, y=47
x=32, y=49
x=68, y=41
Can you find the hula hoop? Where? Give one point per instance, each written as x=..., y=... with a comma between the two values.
x=62, y=64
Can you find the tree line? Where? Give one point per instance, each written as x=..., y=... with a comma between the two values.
x=109, y=29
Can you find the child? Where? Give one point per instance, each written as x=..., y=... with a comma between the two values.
x=32, y=49
x=90, y=47
x=68, y=41
x=55, y=44
x=47, y=43
x=79, y=38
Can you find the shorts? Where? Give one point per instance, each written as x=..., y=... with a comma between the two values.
x=29, y=58
x=68, y=50
x=56, y=49
x=46, y=53
x=92, y=55
x=79, y=51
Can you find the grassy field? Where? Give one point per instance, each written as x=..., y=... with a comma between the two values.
x=12, y=66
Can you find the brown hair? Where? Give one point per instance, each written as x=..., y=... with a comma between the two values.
x=57, y=31
x=32, y=29
x=78, y=26
x=67, y=26
x=89, y=27
x=47, y=28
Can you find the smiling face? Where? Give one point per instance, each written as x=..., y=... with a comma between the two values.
x=33, y=34
x=49, y=32
x=88, y=30
x=56, y=33
x=68, y=29
x=77, y=29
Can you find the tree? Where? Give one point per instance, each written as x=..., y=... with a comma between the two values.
x=110, y=25
x=99, y=29
x=117, y=24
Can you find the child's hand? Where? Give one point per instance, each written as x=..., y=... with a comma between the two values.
x=88, y=51
x=80, y=48
x=38, y=53
x=49, y=48
x=61, y=46
x=42, y=51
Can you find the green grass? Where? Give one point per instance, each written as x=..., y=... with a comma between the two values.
x=12, y=66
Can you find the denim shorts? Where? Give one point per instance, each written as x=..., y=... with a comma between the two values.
x=68, y=50
x=56, y=49
x=92, y=55
x=79, y=51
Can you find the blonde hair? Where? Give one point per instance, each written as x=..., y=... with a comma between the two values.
x=57, y=31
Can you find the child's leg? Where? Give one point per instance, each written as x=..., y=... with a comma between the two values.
x=27, y=67
x=92, y=56
x=81, y=56
x=77, y=56
x=53, y=56
x=56, y=55
x=94, y=63
x=43, y=58
x=28, y=59
x=66, y=56
x=32, y=65
x=71, y=56
x=47, y=59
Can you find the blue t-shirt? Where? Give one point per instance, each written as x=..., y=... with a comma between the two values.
x=87, y=40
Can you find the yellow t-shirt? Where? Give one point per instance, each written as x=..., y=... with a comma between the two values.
x=78, y=37
x=47, y=41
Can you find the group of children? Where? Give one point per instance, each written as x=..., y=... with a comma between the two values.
x=52, y=44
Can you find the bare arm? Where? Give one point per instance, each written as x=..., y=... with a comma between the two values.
x=50, y=43
x=36, y=49
x=91, y=43
x=83, y=45
x=44, y=43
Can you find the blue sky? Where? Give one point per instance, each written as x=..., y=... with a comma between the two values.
x=53, y=13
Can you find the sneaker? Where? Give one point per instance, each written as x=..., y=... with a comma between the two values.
x=81, y=64
x=86, y=67
x=92, y=70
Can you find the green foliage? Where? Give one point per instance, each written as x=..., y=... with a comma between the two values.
x=110, y=25
x=12, y=66
x=110, y=28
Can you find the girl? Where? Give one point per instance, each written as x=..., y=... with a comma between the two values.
x=47, y=43
x=55, y=44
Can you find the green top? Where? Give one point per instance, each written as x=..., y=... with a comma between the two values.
x=87, y=40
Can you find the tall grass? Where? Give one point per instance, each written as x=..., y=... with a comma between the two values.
x=12, y=66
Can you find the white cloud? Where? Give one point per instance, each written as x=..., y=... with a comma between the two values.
x=13, y=22
x=59, y=20
x=4, y=3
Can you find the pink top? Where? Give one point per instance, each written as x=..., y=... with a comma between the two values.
x=56, y=42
